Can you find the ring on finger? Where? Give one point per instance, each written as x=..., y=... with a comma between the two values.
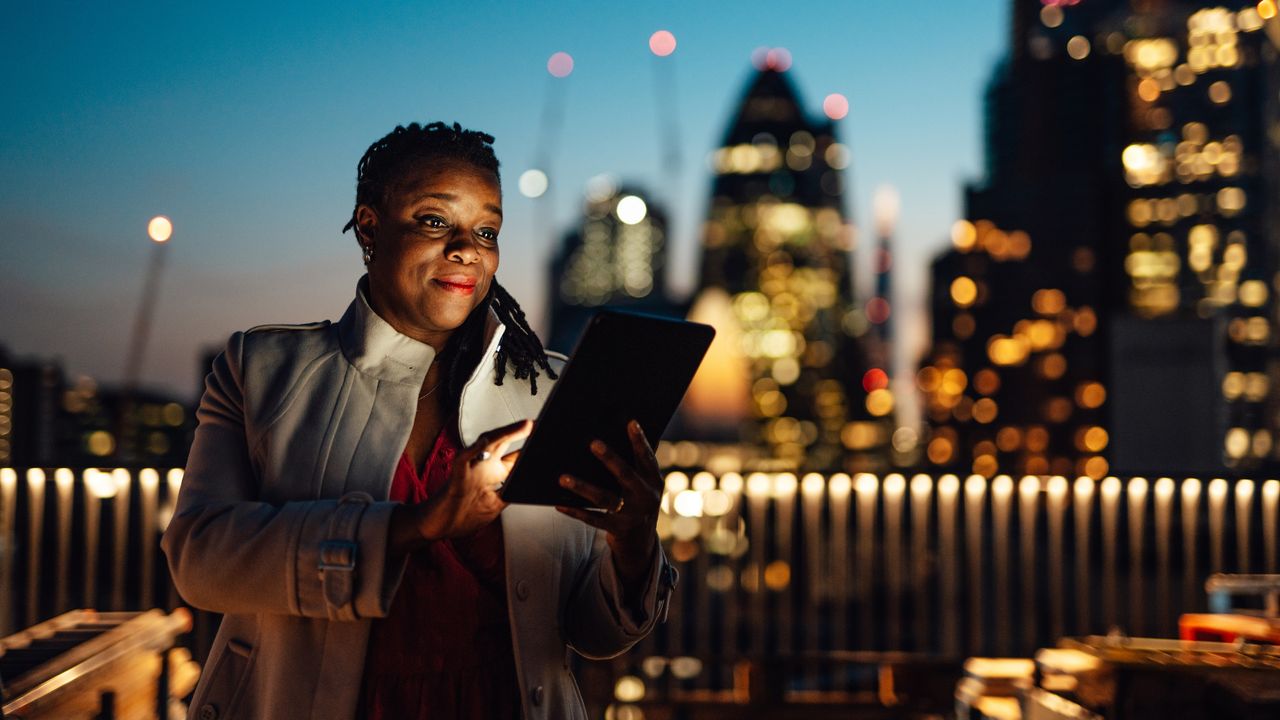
x=618, y=508
x=484, y=455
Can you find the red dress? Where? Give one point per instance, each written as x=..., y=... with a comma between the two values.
x=444, y=650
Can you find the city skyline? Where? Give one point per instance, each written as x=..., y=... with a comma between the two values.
x=226, y=132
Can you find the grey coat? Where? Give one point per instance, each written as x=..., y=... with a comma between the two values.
x=282, y=524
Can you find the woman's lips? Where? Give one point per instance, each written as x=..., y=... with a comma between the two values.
x=460, y=286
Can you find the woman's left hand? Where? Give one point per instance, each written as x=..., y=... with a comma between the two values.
x=631, y=514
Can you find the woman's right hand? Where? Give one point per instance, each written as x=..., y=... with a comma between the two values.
x=469, y=500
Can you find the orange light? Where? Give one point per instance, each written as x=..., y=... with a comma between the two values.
x=939, y=451
x=986, y=381
x=964, y=291
x=1091, y=395
x=963, y=235
x=1149, y=89
x=1096, y=467
x=1049, y=301
x=879, y=402
x=985, y=410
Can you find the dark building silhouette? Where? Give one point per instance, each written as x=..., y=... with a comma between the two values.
x=47, y=420
x=786, y=373
x=29, y=408
x=616, y=258
x=1106, y=306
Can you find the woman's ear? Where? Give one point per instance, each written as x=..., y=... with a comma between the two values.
x=366, y=226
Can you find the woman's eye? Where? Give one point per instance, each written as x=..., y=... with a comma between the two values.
x=490, y=235
x=434, y=221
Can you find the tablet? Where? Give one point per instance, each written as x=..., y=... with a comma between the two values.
x=625, y=366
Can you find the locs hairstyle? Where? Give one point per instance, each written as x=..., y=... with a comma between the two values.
x=384, y=166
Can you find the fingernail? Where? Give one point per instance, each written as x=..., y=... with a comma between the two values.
x=566, y=481
x=597, y=446
x=635, y=425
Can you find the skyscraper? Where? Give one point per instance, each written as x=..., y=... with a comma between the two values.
x=615, y=258
x=1098, y=310
x=786, y=373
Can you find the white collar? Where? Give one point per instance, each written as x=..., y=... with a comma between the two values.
x=375, y=348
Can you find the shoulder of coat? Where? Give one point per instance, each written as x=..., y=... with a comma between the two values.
x=278, y=343
x=281, y=327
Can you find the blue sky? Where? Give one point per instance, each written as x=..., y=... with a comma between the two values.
x=244, y=123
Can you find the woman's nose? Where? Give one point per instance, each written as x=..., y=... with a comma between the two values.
x=462, y=248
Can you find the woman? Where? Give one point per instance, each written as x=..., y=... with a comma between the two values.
x=339, y=502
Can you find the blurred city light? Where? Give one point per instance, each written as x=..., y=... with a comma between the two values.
x=662, y=43
x=533, y=183
x=836, y=106
x=160, y=229
x=560, y=64
x=631, y=209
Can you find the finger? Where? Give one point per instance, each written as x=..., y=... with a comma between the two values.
x=494, y=441
x=594, y=519
x=592, y=494
x=490, y=499
x=495, y=435
x=620, y=468
x=509, y=460
x=645, y=457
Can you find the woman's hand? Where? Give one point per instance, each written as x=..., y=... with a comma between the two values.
x=469, y=500
x=631, y=515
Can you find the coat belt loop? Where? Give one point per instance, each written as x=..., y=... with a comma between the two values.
x=339, y=555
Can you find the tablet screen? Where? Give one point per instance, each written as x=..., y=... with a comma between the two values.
x=626, y=366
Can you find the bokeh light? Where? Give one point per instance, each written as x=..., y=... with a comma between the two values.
x=878, y=310
x=533, y=183
x=836, y=106
x=875, y=379
x=629, y=688
x=765, y=58
x=631, y=210
x=688, y=503
x=662, y=43
x=560, y=64
x=160, y=229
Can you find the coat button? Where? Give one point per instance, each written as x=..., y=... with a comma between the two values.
x=522, y=593
x=536, y=695
x=209, y=712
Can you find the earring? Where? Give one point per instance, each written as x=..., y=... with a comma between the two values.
x=367, y=255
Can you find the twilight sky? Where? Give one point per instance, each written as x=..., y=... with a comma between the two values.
x=244, y=122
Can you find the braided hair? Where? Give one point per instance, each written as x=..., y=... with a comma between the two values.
x=381, y=170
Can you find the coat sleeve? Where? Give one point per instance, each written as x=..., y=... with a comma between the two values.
x=598, y=621
x=229, y=552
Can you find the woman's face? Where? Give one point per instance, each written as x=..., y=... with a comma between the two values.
x=435, y=248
